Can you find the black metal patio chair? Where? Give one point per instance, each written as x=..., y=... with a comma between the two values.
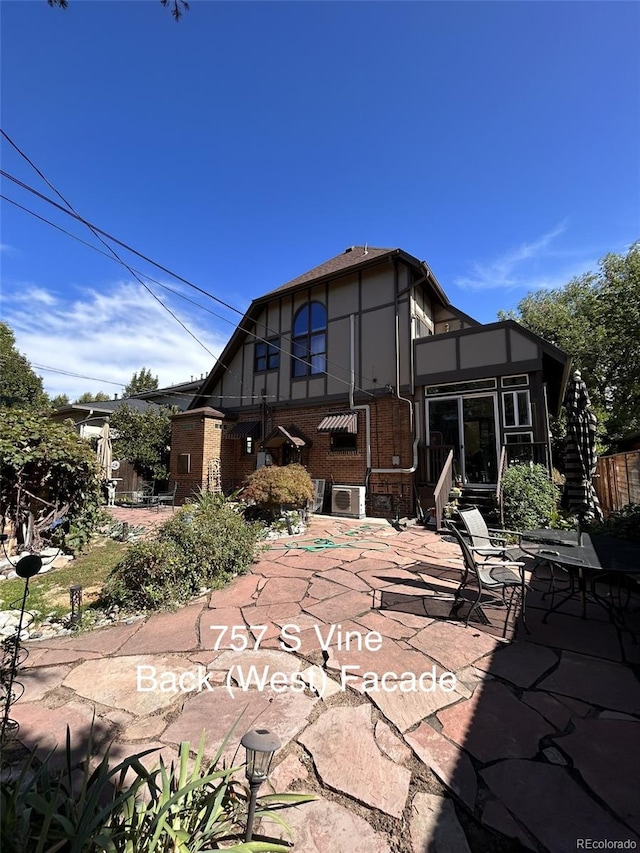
x=491, y=576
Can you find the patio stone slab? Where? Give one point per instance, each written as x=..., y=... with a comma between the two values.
x=105, y=641
x=51, y=657
x=390, y=657
x=450, y=763
x=497, y=817
x=453, y=646
x=277, y=590
x=584, y=636
x=346, y=578
x=44, y=729
x=166, y=632
x=325, y=826
x=379, y=572
x=347, y=605
x=494, y=724
x=367, y=775
x=114, y=682
x=38, y=682
x=434, y=826
x=273, y=660
x=404, y=710
x=210, y=622
x=299, y=559
x=377, y=621
x=290, y=770
x=520, y=663
x=239, y=593
x=390, y=744
x=417, y=621
x=217, y=712
x=608, y=685
x=552, y=710
x=606, y=753
x=320, y=588
x=552, y=807
x=271, y=568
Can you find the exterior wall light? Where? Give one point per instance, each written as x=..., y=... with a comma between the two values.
x=75, y=600
x=260, y=745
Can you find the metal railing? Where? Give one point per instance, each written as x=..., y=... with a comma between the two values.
x=443, y=489
x=431, y=462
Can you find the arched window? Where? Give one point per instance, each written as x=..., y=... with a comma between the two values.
x=310, y=340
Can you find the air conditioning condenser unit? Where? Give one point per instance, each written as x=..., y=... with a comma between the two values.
x=348, y=501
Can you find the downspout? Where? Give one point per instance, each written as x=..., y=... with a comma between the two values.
x=365, y=408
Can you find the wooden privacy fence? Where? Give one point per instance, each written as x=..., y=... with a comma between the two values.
x=618, y=480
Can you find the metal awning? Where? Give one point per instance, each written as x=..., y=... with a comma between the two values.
x=340, y=422
x=244, y=430
x=290, y=435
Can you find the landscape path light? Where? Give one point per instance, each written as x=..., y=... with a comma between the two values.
x=75, y=600
x=260, y=745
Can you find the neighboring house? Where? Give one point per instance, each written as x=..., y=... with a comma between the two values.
x=89, y=418
x=363, y=370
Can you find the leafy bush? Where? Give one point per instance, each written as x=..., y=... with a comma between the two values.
x=271, y=488
x=529, y=497
x=203, y=544
x=49, y=480
x=623, y=524
x=164, y=810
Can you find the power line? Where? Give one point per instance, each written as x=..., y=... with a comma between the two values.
x=98, y=231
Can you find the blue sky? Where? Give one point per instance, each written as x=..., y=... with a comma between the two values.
x=252, y=141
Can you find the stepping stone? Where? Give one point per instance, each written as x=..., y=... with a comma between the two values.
x=520, y=663
x=106, y=641
x=404, y=710
x=211, y=623
x=497, y=817
x=494, y=724
x=325, y=827
x=132, y=683
x=37, y=683
x=606, y=753
x=216, y=713
x=453, y=646
x=269, y=568
x=553, y=808
x=450, y=763
x=277, y=590
x=390, y=744
x=341, y=607
x=239, y=593
x=609, y=685
x=45, y=729
x=347, y=759
x=552, y=710
x=434, y=826
x=166, y=632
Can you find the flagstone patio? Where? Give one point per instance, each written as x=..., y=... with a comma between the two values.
x=534, y=744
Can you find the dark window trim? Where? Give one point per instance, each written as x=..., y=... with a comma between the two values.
x=302, y=366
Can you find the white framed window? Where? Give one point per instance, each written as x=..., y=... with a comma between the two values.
x=518, y=438
x=510, y=381
x=516, y=406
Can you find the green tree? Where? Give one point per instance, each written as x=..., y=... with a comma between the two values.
x=60, y=401
x=91, y=397
x=48, y=479
x=176, y=6
x=596, y=320
x=19, y=385
x=143, y=438
x=143, y=381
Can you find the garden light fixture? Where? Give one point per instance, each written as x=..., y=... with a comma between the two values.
x=75, y=600
x=260, y=745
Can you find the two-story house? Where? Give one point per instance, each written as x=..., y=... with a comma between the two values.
x=363, y=370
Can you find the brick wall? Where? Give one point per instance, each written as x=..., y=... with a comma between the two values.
x=390, y=436
x=196, y=434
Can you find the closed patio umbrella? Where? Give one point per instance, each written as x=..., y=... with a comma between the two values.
x=580, y=458
x=105, y=452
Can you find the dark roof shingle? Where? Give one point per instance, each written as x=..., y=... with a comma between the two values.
x=352, y=257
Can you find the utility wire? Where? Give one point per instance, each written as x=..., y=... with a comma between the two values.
x=99, y=231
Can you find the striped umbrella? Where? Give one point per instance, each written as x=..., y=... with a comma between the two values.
x=580, y=457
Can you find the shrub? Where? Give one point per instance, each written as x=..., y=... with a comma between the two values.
x=184, y=808
x=529, y=497
x=203, y=544
x=623, y=524
x=272, y=488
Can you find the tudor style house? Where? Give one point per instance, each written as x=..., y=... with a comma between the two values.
x=363, y=370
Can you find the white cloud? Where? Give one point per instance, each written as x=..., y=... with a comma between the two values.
x=110, y=333
x=530, y=265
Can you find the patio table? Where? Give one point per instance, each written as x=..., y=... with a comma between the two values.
x=586, y=556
